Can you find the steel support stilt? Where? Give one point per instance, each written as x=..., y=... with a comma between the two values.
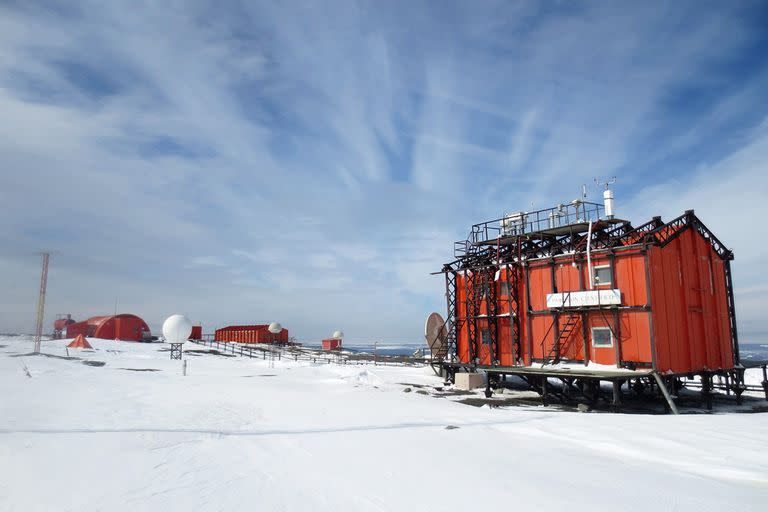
x=665, y=392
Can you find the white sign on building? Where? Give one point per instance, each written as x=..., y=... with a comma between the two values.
x=585, y=298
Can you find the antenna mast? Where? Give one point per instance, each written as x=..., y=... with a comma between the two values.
x=607, y=182
x=41, y=302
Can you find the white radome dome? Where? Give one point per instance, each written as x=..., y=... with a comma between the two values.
x=337, y=335
x=177, y=328
x=275, y=328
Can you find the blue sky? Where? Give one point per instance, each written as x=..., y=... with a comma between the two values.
x=312, y=162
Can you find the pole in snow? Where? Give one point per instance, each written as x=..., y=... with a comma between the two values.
x=41, y=302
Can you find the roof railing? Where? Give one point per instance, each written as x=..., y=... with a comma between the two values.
x=522, y=223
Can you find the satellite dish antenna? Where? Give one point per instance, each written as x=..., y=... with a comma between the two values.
x=176, y=329
x=337, y=335
x=275, y=328
x=435, y=332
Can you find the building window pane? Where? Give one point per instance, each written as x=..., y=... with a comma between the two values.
x=486, y=336
x=603, y=275
x=504, y=288
x=602, y=337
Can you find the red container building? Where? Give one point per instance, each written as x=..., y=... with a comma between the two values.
x=250, y=334
x=60, y=325
x=571, y=293
x=332, y=344
x=116, y=327
x=197, y=332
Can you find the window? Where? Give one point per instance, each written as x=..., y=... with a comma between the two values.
x=504, y=289
x=602, y=337
x=486, y=336
x=603, y=275
x=485, y=290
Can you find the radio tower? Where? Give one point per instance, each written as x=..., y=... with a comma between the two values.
x=41, y=302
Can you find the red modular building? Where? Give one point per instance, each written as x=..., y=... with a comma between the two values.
x=332, y=344
x=570, y=292
x=197, y=332
x=250, y=334
x=121, y=327
x=60, y=325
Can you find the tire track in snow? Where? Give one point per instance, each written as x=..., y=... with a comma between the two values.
x=260, y=433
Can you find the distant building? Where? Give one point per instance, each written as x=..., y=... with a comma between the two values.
x=250, y=334
x=332, y=344
x=124, y=327
x=60, y=325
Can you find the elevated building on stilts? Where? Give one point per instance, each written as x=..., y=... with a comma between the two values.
x=571, y=296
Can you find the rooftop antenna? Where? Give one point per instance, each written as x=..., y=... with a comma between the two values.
x=607, y=182
x=607, y=194
x=584, y=191
x=41, y=302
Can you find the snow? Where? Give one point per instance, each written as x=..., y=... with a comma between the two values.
x=241, y=434
x=591, y=365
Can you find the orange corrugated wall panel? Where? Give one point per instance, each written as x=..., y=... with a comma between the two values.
x=541, y=337
x=690, y=312
x=635, y=326
x=634, y=330
x=630, y=277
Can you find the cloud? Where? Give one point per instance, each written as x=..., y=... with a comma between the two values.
x=312, y=164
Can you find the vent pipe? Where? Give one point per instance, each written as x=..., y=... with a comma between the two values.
x=589, y=256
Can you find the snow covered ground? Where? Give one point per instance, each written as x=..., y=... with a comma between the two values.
x=241, y=434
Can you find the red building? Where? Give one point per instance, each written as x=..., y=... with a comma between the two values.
x=332, y=344
x=569, y=292
x=60, y=325
x=250, y=334
x=116, y=327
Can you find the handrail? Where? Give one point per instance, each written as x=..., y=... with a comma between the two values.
x=523, y=222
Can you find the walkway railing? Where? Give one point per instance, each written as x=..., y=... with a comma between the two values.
x=273, y=352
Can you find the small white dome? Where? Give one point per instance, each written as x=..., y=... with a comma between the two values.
x=275, y=328
x=337, y=335
x=177, y=328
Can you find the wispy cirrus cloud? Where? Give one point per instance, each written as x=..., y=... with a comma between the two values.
x=313, y=164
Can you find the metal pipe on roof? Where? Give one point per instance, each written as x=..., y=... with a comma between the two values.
x=589, y=255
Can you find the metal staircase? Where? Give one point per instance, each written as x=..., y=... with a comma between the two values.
x=562, y=334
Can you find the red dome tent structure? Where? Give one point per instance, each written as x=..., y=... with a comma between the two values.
x=124, y=327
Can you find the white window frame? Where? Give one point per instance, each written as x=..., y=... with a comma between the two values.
x=594, y=275
x=592, y=336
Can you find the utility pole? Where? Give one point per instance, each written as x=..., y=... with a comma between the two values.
x=41, y=302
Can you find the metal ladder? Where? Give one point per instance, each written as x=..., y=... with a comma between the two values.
x=571, y=322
